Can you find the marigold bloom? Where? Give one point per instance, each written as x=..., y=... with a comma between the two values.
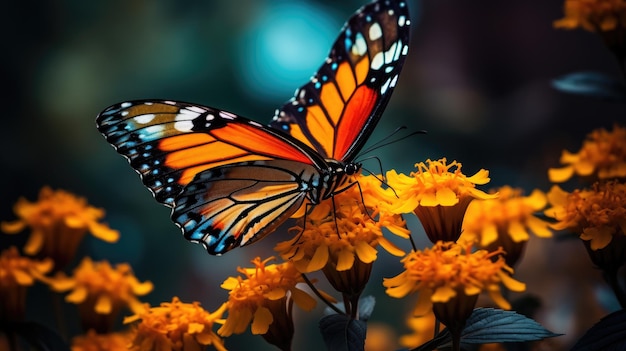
x=101, y=291
x=598, y=214
x=449, y=277
x=594, y=15
x=343, y=244
x=91, y=341
x=438, y=193
x=176, y=326
x=449, y=269
x=506, y=221
x=602, y=156
x=16, y=274
x=265, y=298
x=59, y=221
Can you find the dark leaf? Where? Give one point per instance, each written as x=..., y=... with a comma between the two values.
x=490, y=325
x=37, y=335
x=341, y=333
x=593, y=84
x=608, y=334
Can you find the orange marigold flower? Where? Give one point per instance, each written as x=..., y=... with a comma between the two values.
x=91, y=341
x=16, y=274
x=593, y=15
x=506, y=221
x=449, y=269
x=265, y=298
x=176, y=326
x=598, y=214
x=602, y=156
x=449, y=277
x=58, y=222
x=438, y=193
x=101, y=291
x=343, y=243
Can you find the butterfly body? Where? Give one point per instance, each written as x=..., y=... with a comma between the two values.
x=229, y=180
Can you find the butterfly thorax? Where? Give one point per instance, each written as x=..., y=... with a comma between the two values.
x=333, y=179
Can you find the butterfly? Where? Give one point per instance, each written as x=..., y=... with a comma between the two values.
x=229, y=180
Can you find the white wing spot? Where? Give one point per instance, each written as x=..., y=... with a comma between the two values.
x=196, y=109
x=405, y=50
x=183, y=126
x=385, y=86
x=375, y=31
x=360, y=46
x=394, y=80
x=126, y=105
x=377, y=61
x=389, y=54
x=227, y=115
x=210, y=117
x=186, y=115
x=144, y=119
x=401, y=21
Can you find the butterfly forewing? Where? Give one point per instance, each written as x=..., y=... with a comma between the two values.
x=337, y=110
x=169, y=143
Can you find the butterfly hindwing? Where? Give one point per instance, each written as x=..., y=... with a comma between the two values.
x=337, y=110
x=234, y=205
x=168, y=143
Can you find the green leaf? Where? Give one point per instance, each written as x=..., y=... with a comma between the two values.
x=490, y=325
x=341, y=333
x=608, y=334
x=592, y=84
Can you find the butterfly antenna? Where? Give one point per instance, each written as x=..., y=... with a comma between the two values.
x=381, y=179
x=386, y=140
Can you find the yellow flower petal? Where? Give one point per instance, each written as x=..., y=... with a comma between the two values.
x=319, y=259
x=560, y=175
x=103, y=304
x=303, y=300
x=443, y=294
x=262, y=320
x=12, y=227
x=34, y=243
x=77, y=296
x=345, y=260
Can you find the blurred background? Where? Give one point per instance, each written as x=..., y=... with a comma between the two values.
x=477, y=78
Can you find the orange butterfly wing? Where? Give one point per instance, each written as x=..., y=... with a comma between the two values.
x=169, y=143
x=338, y=109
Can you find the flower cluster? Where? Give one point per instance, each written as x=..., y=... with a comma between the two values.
x=341, y=236
x=58, y=221
x=176, y=326
x=594, y=15
x=101, y=291
x=438, y=193
x=16, y=274
x=450, y=269
x=602, y=156
x=264, y=297
x=506, y=221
